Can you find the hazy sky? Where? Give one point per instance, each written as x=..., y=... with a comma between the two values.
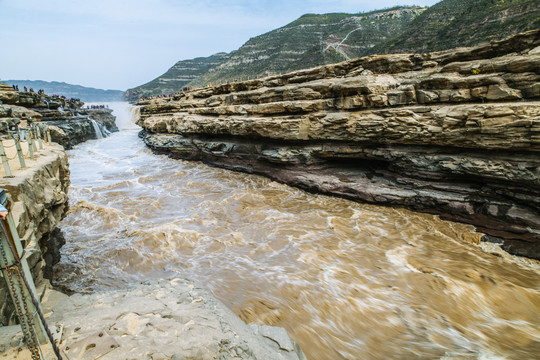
x=119, y=44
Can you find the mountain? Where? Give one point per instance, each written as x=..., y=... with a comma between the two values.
x=314, y=40
x=454, y=23
x=309, y=41
x=176, y=77
x=86, y=94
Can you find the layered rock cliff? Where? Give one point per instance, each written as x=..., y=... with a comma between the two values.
x=38, y=202
x=69, y=121
x=85, y=124
x=454, y=133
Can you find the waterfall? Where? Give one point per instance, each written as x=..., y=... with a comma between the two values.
x=97, y=129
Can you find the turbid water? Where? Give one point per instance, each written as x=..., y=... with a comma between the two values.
x=347, y=280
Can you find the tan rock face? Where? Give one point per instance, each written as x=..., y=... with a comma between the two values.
x=459, y=130
x=71, y=123
x=168, y=319
x=8, y=95
x=38, y=202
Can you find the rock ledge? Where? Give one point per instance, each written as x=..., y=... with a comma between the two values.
x=454, y=133
x=164, y=319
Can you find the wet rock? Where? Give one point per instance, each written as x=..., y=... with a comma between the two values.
x=169, y=319
x=51, y=245
x=69, y=133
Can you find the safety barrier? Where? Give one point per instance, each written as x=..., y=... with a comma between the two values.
x=14, y=145
x=15, y=271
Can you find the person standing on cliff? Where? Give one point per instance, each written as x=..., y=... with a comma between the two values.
x=23, y=125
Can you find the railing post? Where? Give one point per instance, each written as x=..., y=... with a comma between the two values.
x=30, y=144
x=16, y=273
x=5, y=162
x=19, y=150
x=32, y=136
x=38, y=136
x=43, y=130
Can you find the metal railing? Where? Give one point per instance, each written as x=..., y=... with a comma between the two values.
x=21, y=287
x=25, y=147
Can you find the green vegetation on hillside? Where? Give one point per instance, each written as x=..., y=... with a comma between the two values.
x=315, y=39
x=177, y=77
x=309, y=41
x=453, y=23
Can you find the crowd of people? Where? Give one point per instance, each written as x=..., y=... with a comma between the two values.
x=184, y=89
x=97, y=107
x=156, y=97
x=40, y=91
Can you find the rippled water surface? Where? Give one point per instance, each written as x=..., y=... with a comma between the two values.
x=347, y=280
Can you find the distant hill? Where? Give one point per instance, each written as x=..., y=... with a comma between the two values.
x=314, y=40
x=176, y=77
x=86, y=94
x=454, y=23
x=309, y=41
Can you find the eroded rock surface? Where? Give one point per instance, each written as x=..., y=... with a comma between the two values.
x=455, y=133
x=168, y=319
x=38, y=202
x=70, y=123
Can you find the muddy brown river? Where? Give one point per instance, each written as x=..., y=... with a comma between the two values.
x=346, y=280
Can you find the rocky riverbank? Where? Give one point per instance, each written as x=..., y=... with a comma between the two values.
x=38, y=202
x=454, y=133
x=38, y=192
x=165, y=319
x=70, y=122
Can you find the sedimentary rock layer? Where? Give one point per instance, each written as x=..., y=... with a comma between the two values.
x=70, y=123
x=38, y=202
x=455, y=133
x=74, y=130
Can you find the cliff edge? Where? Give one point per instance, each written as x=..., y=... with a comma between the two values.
x=454, y=133
x=70, y=122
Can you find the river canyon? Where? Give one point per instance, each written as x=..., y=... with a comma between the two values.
x=346, y=280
